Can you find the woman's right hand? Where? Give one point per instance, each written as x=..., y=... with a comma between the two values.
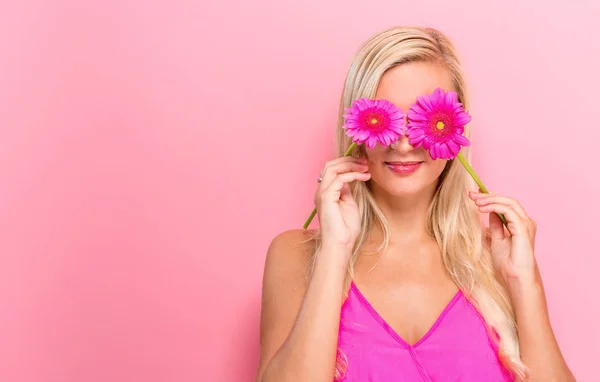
x=339, y=218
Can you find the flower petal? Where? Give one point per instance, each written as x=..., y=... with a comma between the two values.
x=425, y=102
x=362, y=135
x=363, y=104
x=416, y=141
x=371, y=141
x=453, y=148
x=416, y=132
x=461, y=140
x=451, y=97
x=433, y=152
x=427, y=142
x=384, y=139
x=440, y=150
x=462, y=119
x=437, y=97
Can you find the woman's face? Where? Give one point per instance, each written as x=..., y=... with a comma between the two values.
x=401, y=170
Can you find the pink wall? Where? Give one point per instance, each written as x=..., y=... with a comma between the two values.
x=150, y=150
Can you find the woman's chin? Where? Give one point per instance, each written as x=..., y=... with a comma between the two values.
x=402, y=190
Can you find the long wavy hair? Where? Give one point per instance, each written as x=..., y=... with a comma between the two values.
x=453, y=220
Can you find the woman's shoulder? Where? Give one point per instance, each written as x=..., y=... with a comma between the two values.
x=301, y=240
x=292, y=249
x=289, y=257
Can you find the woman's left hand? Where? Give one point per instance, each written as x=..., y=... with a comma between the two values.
x=513, y=248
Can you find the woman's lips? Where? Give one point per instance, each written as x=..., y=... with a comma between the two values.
x=403, y=167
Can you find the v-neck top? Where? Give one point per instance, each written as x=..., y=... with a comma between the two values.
x=456, y=348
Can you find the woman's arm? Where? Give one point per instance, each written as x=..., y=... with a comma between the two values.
x=539, y=349
x=513, y=255
x=300, y=319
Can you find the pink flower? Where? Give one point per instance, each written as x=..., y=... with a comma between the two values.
x=371, y=121
x=437, y=122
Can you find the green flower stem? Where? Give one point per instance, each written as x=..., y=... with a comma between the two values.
x=314, y=212
x=470, y=170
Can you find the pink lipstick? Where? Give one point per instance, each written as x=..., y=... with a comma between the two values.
x=404, y=168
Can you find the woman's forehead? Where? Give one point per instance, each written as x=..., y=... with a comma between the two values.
x=402, y=84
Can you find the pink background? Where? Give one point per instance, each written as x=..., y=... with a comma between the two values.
x=150, y=150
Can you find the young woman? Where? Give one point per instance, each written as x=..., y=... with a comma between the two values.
x=402, y=282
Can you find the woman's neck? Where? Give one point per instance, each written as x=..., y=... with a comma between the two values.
x=406, y=216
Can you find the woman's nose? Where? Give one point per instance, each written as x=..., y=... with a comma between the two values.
x=401, y=144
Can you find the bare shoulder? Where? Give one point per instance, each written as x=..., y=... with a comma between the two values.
x=289, y=256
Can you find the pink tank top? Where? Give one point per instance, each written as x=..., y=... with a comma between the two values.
x=456, y=348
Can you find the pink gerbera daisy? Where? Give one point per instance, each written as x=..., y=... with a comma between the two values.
x=437, y=122
x=371, y=121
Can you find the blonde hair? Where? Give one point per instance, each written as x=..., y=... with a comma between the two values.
x=453, y=220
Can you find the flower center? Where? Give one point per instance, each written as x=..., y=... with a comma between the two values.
x=440, y=125
x=375, y=121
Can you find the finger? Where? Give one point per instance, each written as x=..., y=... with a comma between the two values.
x=480, y=191
x=334, y=170
x=496, y=228
x=344, y=159
x=489, y=199
x=333, y=192
x=516, y=224
x=479, y=194
x=346, y=194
